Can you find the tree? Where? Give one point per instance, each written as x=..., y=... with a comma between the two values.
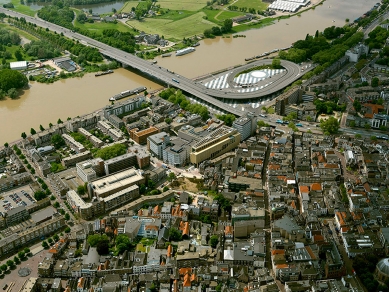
x=6, y=144
x=12, y=79
x=59, y=121
x=168, y=120
x=228, y=119
x=330, y=126
x=55, y=237
x=367, y=126
x=262, y=124
x=81, y=190
x=67, y=216
x=12, y=93
x=171, y=176
x=375, y=82
x=39, y=195
x=56, y=205
x=57, y=141
x=16, y=260
x=94, y=239
x=67, y=230
x=111, y=152
x=150, y=184
x=373, y=138
x=102, y=247
x=18, y=55
x=44, y=244
x=41, y=128
x=142, y=189
x=21, y=254
x=4, y=267
x=165, y=188
x=10, y=263
x=227, y=25
x=175, y=234
x=50, y=240
x=26, y=250
x=214, y=241
x=276, y=63
x=32, y=131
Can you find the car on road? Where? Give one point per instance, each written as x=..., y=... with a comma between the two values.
x=299, y=125
x=279, y=121
x=263, y=116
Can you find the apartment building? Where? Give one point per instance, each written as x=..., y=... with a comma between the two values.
x=44, y=137
x=140, y=137
x=87, y=122
x=73, y=144
x=119, y=163
x=85, y=171
x=93, y=139
x=218, y=142
x=120, y=198
x=124, y=107
x=76, y=158
x=14, y=240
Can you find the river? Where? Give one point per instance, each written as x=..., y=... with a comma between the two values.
x=43, y=103
x=220, y=53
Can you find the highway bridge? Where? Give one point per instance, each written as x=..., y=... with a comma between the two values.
x=210, y=97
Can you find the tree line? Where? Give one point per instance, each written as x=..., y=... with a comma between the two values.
x=216, y=30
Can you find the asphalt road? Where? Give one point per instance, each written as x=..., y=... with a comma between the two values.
x=194, y=88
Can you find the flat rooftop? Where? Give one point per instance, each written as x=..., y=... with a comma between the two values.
x=114, y=181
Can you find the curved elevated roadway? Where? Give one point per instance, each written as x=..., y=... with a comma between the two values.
x=163, y=74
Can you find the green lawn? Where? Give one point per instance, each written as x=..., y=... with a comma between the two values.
x=174, y=15
x=177, y=30
x=194, y=5
x=256, y=4
x=21, y=8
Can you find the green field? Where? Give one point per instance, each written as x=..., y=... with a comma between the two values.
x=218, y=16
x=194, y=5
x=100, y=26
x=18, y=31
x=173, y=30
x=127, y=6
x=256, y=4
x=21, y=8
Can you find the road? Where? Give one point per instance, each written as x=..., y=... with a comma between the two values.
x=294, y=71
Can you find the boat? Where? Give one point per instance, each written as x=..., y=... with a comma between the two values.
x=127, y=93
x=154, y=62
x=103, y=73
x=166, y=55
x=196, y=44
x=185, y=51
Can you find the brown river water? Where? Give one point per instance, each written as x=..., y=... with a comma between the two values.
x=45, y=103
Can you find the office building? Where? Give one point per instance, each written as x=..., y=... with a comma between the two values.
x=157, y=143
x=111, y=184
x=119, y=163
x=85, y=171
x=245, y=125
x=120, y=198
x=218, y=142
x=178, y=152
x=84, y=210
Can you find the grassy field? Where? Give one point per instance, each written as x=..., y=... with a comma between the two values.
x=100, y=26
x=18, y=31
x=127, y=6
x=21, y=8
x=194, y=5
x=174, y=30
x=218, y=16
x=256, y=4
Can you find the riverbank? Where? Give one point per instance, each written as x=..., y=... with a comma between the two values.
x=46, y=103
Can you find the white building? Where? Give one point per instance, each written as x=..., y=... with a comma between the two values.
x=20, y=65
x=177, y=153
x=157, y=143
x=85, y=171
x=356, y=52
x=246, y=126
